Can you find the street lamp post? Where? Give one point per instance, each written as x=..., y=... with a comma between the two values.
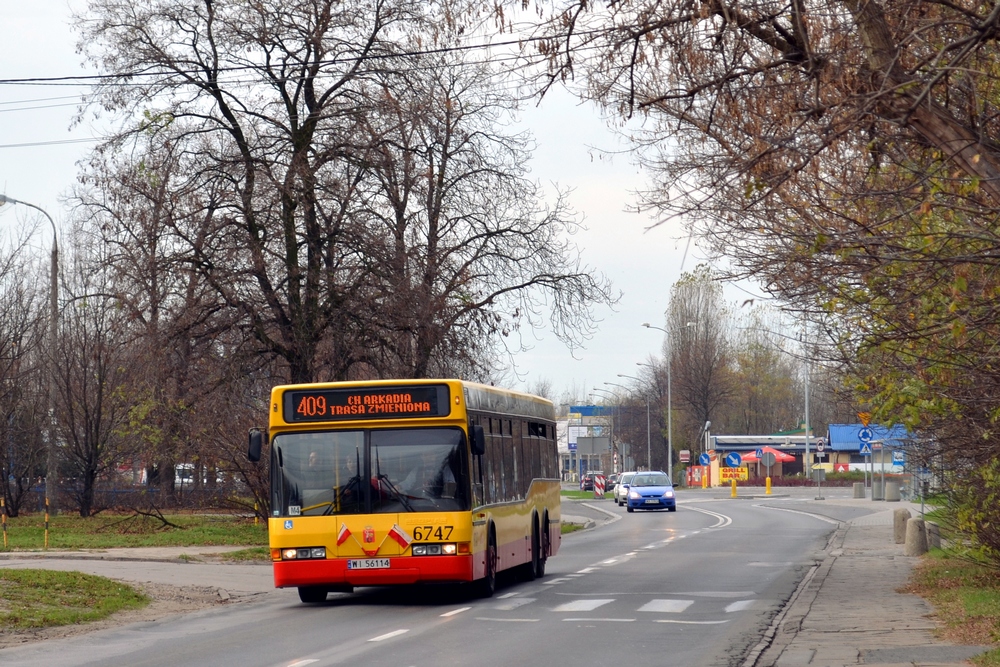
x=649, y=455
x=670, y=412
x=52, y=459
x=615, y=384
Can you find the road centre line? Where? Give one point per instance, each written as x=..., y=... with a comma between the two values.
x=815, y=516
x=605, y=620
x=302, y=663
x=508, y=620
x=723, y=519
x=388, y=635
x=690, y=622
x=455, y=611
x=508, y=595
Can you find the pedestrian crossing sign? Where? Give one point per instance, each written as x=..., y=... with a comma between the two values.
x=866, y=449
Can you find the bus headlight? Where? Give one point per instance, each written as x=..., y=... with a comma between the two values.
x=303, y=553
x=434, y=549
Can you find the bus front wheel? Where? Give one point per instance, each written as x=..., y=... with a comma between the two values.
x=488, y=584
x=312, y=594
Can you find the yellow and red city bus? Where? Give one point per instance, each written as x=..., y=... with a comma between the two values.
x=408, y=481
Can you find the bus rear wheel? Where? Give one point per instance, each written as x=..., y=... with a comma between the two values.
x=312, y=594
x=543, y=549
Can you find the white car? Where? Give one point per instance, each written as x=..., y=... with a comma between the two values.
x=621, y=488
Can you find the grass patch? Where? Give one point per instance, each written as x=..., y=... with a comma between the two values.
x=105, y=531
x=570, y=528
x=253, y=554
x=43, y=598
x=966, y=600
x=583, y=495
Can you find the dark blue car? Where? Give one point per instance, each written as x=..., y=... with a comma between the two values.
x=651, y=491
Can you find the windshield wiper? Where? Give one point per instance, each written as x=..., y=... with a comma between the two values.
x=392, y=487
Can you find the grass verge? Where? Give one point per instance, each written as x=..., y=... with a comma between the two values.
x=43, y=598
x=966, y=600
x=105, y=531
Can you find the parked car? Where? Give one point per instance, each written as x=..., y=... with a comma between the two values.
x=587, y=481
x=621, y=488
x=651, y=491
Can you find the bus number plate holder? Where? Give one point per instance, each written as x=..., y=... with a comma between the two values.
x=368, y=564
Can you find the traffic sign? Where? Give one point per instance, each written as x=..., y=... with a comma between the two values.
x=865, y=435
x=820, y=445
x=866, y=449
x=733, y=459
x=759, y=453
x=704, y=459
x=898, y=457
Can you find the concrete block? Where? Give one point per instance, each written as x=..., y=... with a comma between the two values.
x=876, y=489
x=892, y=492
x=933, y=535
x=859, y=489
x=916, y=538
x=899, y=519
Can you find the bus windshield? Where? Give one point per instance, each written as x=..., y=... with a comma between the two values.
x=402, y=470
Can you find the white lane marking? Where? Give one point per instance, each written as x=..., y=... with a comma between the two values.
x=718, y=594
x=810, y=514
x=631, y=553
x=507, y=595
x=605, y=620
x=690, y=622
x=723, y=520
x=514, y=604
x=560, y=580
x=586, y=570
x=507, y=620
x=388, y=635
x=455, y=611
x=302, y=663
x=666, y=606
x=739, y=606
x=583, y=605
x=610, y=561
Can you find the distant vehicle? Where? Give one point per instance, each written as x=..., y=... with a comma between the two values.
x=621, y=488
x=587, y=481
x=651, y=491
x=610, y=482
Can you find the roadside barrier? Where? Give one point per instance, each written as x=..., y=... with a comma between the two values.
x=598, y=486
x=3, y=520
x=916, y=538
x=899, y=519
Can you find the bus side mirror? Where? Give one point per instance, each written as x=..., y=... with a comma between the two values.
x=256, y=445
x=478, y=440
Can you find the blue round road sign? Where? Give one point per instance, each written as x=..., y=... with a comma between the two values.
x=704, y=459
x=865, y=435
x=733, y=459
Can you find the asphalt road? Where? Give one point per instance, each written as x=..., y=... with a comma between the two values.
x=695, y=587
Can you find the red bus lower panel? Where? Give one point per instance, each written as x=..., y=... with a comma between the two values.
x=403, y=570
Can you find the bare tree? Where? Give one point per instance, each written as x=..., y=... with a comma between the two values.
x=459, y=242
x=701, y=372
x=95, y=368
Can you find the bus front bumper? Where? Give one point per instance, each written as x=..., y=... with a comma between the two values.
x=401, y=570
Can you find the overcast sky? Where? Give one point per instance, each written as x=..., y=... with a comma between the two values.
x=35, y=167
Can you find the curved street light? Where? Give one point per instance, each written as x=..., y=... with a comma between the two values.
x=51, y=463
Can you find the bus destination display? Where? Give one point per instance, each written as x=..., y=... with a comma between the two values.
x=381, y=403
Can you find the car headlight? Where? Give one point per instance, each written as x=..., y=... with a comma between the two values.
x=668, y=494
x=634, y=495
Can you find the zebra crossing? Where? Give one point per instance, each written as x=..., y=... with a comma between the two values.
x=630, y=608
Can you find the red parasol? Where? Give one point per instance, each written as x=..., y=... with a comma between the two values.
x=779, y=456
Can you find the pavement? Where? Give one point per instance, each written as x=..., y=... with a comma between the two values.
x=846, y=611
